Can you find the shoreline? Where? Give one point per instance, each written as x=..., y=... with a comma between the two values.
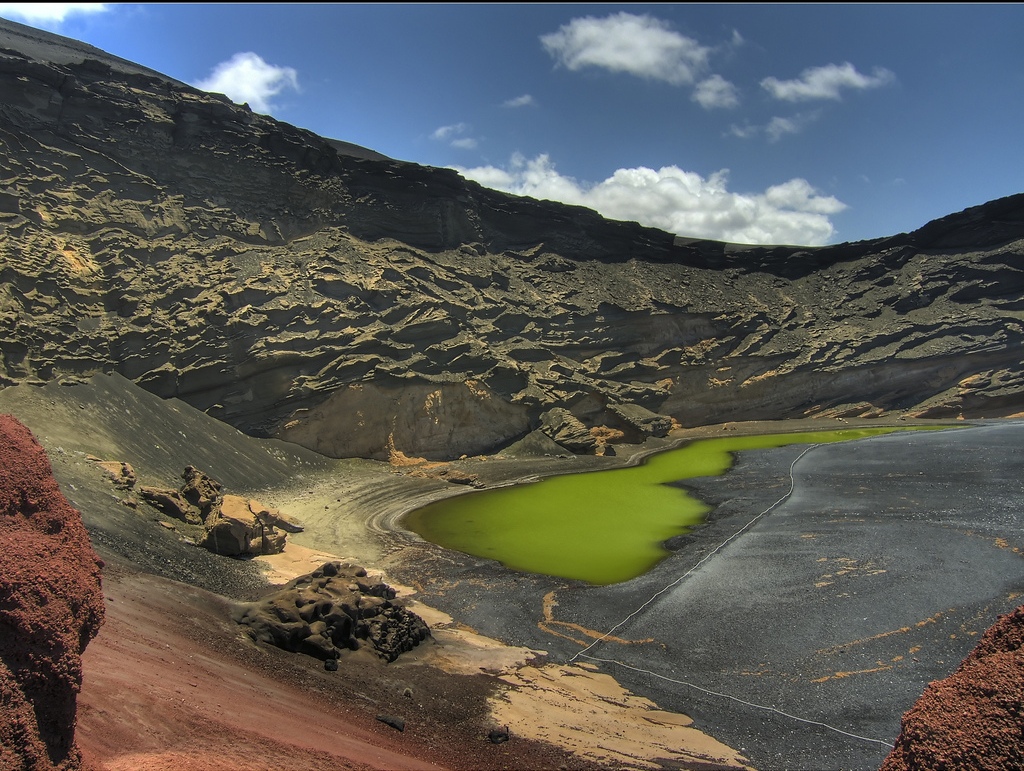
x=537, y=468
x=535, y=686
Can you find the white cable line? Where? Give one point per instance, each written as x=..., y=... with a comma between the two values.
x=741, y=701
x=705, y=558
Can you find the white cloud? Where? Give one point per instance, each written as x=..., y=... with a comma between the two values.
x=714, y=92
x=245, y=77
x=678, y=201
x=638, y=45
x=453, y=135
x=446, y=132
x=520, y=101
x=746, y=131
x=48, y=13
x=776, y=128
x=825, y=82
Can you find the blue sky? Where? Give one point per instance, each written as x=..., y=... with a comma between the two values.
x=756, y=123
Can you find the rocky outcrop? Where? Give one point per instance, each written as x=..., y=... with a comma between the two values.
x=352, y=303
x=335, y=608
x=566, y=430
x=232, y=525
x=51, y=606
x=120, y=473
x=243, y=527
x=973, y=718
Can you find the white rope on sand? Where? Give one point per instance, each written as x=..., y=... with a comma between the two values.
x=679, y=580
x=705, y=558
x=742, y=701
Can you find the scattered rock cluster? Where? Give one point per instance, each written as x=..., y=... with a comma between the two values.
x=975, y=717
x=51, y=606
x=335, y=608
x=233, y=526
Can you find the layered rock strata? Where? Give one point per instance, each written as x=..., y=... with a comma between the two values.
x=334, y=609
x=301, y=288
x=51, y=606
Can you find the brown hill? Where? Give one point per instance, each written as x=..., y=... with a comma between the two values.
x=296, y=288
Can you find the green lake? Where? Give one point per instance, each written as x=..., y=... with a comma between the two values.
x=602, y=527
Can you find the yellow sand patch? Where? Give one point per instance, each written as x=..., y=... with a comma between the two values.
x=591, y=715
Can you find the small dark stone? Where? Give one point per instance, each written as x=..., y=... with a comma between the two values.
x=395, y=722
x=499, y=735
x=331, y=665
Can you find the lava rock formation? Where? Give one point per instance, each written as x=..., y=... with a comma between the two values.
x=975, y=717
x=51, y=606
x=335, y=608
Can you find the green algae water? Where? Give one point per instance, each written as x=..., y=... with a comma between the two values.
x=602, y=527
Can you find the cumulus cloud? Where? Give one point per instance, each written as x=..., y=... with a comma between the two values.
x=520, y=101
x=637, y=45
x=825, y=82
x=714, y=92
x=681, y=202
x=48, y=13
x=245, y=77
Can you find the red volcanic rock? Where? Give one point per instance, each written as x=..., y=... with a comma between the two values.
x=51, y=606
x=975, y=717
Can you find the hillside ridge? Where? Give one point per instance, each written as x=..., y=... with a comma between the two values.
x=363, y=306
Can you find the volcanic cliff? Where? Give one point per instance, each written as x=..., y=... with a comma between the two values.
x=303, y=288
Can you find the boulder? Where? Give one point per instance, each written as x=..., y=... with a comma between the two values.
x=335, y=608
x=51, y=606
x=201, y=491
x=269, y=516
x=172, y=503
x=120, y=473
x=234, y=526
x=567, y=430
x=234, y=529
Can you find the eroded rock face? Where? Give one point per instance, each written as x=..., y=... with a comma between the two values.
x=333, y=609
x=51, y=606
x=352, y=303
x=975, y=717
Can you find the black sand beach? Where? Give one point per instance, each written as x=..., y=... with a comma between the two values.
x=875, y=577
